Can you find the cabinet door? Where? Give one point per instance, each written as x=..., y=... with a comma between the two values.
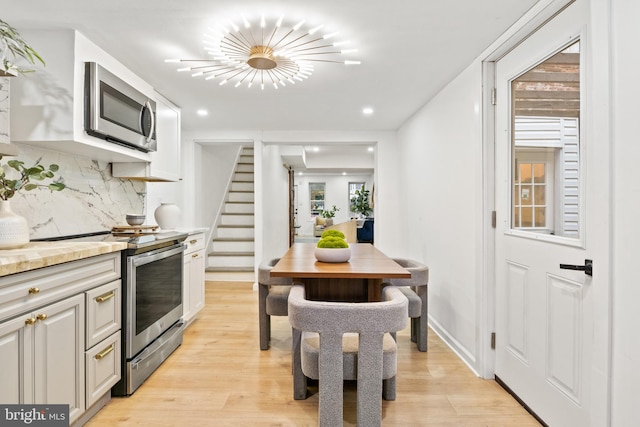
x=165, y=162
x=193, y=287
x=16, y=361
x=103, y=308
x=196, y=294
x=59, y=354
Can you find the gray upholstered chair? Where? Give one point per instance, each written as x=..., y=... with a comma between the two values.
x=415, y=289
x=337, y=341
x=273, y=293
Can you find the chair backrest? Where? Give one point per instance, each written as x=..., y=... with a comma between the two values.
x=389, y=315
x=419, y=273
x=371, y=320
x=264, y=276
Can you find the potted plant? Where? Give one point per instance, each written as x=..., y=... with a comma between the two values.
x=12, y=46
x=332, y=247
x=14, y=230
x=329, y=214
x=360, y=204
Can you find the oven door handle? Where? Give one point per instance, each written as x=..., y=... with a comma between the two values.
x=155, y=255
x=158, y=343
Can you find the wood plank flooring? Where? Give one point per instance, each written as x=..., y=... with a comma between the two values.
x=219, y=377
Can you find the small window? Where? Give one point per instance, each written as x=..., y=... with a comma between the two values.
x=316, y=194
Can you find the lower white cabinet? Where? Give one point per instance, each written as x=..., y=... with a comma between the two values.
x=41, y=356
x=103, y=367
x=60, y=334
x=193, y=276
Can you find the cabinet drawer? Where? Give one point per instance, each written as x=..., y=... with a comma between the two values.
x=194, y=242
x=23, y=292
x=103, y=312
x=103, y=368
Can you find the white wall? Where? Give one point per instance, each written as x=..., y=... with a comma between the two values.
x=274, y=193
x=626, y=207
x=441, y=174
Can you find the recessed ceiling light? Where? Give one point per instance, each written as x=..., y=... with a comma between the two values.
x=316, y=149
x=203, y=113
x=367, y=110
x=344, y=173
x=370, y=149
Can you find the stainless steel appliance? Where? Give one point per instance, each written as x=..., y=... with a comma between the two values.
x=116, y=112
x=152, y=327
x=152, y=306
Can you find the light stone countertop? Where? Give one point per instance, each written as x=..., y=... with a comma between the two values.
x=43, y=254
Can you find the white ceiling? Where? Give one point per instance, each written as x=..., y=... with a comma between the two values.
x=409, y=50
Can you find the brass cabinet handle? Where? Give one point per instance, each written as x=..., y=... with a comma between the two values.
x=194, y=256
x=41, y=316
x=34, y=291
x=193, y=242
x=30, y=321
x=104, y=352
x=105, y=297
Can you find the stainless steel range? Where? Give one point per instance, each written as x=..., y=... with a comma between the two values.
x=152, y=302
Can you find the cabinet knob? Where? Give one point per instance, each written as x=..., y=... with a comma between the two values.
x=194, y=256
x=41, y=316
x=193, y=242
x=30, y=321
x=34, y=291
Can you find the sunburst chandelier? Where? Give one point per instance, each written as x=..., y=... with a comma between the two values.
x=266, y=53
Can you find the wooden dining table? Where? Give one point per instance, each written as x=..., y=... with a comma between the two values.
x=358, y=280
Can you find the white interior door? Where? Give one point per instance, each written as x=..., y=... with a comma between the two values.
x=544, y=320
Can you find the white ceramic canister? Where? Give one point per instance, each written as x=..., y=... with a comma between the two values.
x=14, y=229
x=167, y=216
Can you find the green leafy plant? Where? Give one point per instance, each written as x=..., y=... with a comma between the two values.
x=360, y=202
x=330, y=213
x=37, y=172
x=332, y=242
x=12, y=46
x=332, y=233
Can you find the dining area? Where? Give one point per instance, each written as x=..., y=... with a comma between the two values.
x=219, y=376
x=344, y=319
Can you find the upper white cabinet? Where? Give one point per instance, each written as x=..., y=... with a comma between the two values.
x=47, y=106
x=165, y=162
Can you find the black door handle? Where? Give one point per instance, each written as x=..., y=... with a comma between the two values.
x=587, y=267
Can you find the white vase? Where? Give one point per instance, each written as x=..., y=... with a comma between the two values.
x=14, y=229
x=167, y=216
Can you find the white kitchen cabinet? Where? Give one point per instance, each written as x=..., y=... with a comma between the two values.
x=103, y=367
x=47, y=106
x=49, y=317
x=41, y=353
x=193, y=276
x=165, y=162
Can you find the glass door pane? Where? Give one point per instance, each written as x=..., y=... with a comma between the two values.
x=545, y=113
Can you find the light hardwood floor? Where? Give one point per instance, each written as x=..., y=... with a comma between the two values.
x=219, y=377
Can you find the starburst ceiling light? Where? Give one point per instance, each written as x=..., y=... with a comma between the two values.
x=270, y=53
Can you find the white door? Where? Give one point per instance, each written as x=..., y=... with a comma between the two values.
x=544, y=316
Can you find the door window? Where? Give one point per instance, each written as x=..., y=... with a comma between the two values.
x=545, y=113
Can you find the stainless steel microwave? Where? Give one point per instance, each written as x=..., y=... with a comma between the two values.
x=116, y=112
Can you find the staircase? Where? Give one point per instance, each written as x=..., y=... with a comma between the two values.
x=232, y=251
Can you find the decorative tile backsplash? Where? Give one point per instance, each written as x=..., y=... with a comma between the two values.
x=4, y=109
x=93, y=201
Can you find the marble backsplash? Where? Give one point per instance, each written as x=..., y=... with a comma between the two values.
x=93, y=199
x=4, y=109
